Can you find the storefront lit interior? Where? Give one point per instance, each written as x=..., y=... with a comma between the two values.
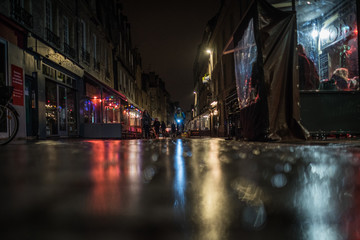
x=328, y=31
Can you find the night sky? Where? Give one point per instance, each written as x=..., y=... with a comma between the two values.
x=167, y=34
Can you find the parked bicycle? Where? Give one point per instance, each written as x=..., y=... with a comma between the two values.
x=9, y=118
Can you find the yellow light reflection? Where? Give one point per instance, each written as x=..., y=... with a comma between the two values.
x=213, y=206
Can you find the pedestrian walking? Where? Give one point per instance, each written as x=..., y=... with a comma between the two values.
x=163, y=128
x=146, y=122
x=157, y=127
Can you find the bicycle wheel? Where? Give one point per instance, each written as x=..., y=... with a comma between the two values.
x=9, y=124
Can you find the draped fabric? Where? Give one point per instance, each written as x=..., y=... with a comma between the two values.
x=267, y=79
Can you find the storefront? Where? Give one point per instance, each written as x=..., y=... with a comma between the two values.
x=131, y=120
x=60, y=102
x=101, y=110
x=200, y=125
x=214, y=119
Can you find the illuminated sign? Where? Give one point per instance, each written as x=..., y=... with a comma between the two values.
x=206, y=78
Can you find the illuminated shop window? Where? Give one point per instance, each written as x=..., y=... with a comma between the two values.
x=328, y=33
x=131, y=118
x=112, y=109
x=92, y=110
x=92, y=104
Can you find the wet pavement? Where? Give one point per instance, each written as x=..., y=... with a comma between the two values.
x=179, y=189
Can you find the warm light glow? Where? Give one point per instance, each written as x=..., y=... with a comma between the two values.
x=324, y=34
x=208, y=51
x=213, y=201
x=214, y=103
x=314, y=33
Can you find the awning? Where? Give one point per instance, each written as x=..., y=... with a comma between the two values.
x=134, y=104
x=88, y=76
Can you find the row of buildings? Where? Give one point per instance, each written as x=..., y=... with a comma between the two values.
x=246, y=72
x=74, y=69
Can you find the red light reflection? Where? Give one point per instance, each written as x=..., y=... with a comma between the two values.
x=105, y=174
x=115, y=173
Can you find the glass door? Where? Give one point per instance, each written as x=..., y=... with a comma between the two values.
x=51, y=112
x=56, y=109
x=62, y=110
x=71, y=112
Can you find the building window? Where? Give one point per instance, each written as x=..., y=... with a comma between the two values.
x=83, y=35
x=121, y=80
x=92, y=104
x=112, y=110
x=94, y=47
x=49, y=71
x=66, y=30
x=120, y=43
x=48, y=15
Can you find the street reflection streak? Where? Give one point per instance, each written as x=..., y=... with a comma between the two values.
x=134, y=176
x=134, y=163
x=105, y=173
x=213, y=206
x=180, y=177
x=318, y=199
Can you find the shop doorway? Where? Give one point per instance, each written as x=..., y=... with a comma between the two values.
x=31, y=106
x=60, y=113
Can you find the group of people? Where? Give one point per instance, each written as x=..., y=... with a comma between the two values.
x=309, y=77
x=151, y=129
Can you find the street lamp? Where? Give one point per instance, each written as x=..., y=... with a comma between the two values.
x=195, y=103
x=211, y=60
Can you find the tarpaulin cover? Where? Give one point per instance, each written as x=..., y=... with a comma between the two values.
x=266, y=75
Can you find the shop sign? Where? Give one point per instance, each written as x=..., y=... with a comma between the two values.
x=17, y=79
x=206, y=78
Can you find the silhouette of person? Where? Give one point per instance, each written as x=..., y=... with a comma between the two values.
x=308, y=76
x=157, y=127
x=146, y=121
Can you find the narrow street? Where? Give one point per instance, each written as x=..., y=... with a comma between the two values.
x=179, y=189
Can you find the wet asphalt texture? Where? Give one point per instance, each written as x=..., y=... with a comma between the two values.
x=202, y=188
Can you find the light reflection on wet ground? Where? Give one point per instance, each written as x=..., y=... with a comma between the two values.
x=180, y=189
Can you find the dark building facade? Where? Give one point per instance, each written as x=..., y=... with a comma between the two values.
x=73, y=67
